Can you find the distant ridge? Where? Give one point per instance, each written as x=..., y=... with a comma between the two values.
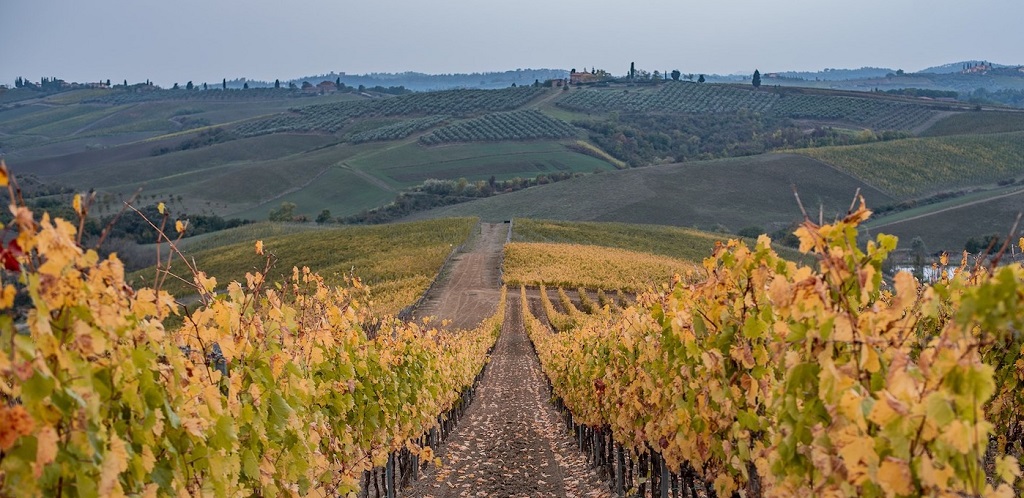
x=423, y=82
x=956, y=67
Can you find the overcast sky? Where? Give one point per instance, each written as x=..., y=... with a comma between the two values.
x=206, y=40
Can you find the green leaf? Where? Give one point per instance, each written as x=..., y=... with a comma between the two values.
x=36, y=389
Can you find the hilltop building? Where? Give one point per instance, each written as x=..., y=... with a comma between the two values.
x=980, y=68
x=584, y=77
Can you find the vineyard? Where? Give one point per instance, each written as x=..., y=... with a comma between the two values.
x=774, y=379
x=913, y=167
x=397, y=261
x=267, y=389
x=708, y=99
x=675, y=242
x=332, y=117
x=873, y=113
x=748, y=375
x=213, y=95
x=675, y=98
x=398, y=130
x=515, y=125
x=593, y=267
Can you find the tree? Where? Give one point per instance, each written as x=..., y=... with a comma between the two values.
x=245, y=86
x=108, y=82
x=285, y=213
x=701, y=79
x=977, y=245
x=324, y=216
x=362, y=88
x=205, y=87
x=126, y=83
x=224, y=84
x=292, y=85
x=632, y=70
x=18, y=82
x=306, y=84
x=337, y=83
x=189, y=86
x=756, y=80
x=277, y=83
x=676, y=74
x=918, y=251
x=175, y=87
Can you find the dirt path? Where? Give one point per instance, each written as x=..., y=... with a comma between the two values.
x=470, y=287
x=100, y=120
x=369, y=178
x=511, y=442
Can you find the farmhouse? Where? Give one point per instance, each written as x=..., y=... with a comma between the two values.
x=326, y=87
x=577, y=78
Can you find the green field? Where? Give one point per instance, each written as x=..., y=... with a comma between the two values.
x=947, y=226
x=976, y=123
x=723, y=195
x=411, y=163
x=920, y=166
x=54, y=121
x=398, y=260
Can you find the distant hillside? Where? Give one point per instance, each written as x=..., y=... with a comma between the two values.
x=426, y=82
x=956, y=67
x=830, y=74
x=723, y=195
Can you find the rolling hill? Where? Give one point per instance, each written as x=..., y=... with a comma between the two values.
x=720, y=195
x=347, y=153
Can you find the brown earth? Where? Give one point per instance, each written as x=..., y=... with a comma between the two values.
x=470, y=285
x=511, y=441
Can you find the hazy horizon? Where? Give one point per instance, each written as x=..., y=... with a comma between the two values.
x=263, y=40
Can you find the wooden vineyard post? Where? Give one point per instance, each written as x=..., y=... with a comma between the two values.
x=620, y=474
x=389, y=477
x=664, y=478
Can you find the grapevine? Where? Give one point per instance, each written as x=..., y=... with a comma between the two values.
x=783, y=380
x=265, y=389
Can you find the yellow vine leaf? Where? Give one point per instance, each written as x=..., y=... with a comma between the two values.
x=5, y=179
x=958, y=435
x=7, y=297
x=1007, y=468
x=115, y=461
x=806, y=239
x=894, y=477
x=179, y=226
x=206, y=283
x=934, y=477
x=160, y=208
x=77, y=203
x=259, y=247
x=46, y=449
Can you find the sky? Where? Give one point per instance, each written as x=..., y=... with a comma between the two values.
x=207, y=40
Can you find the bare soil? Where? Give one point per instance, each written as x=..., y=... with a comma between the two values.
x=511, y=442
x=470, y=286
